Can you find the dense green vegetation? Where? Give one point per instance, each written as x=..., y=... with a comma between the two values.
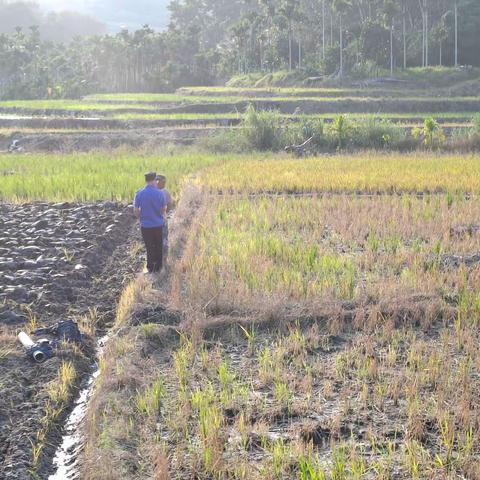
x=268, y=130
x=208, y=41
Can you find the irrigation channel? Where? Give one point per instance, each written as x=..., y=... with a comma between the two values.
x=65, y=461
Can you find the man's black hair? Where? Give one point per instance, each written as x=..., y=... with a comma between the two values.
x=150, y=176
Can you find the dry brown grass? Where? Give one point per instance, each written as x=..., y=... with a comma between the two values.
x=365, y=258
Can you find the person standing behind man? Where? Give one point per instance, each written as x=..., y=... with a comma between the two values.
x=150, y=207
x=161, y=184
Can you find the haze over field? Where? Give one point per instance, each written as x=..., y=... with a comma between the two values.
x=117, y=13
x=61, y=19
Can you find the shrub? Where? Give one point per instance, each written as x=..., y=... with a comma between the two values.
x=431, y=133
x=262, y=130
x=374, y=133
x=339, y=131
x=298, y=132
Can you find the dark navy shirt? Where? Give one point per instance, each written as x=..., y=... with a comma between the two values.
x=151, y=201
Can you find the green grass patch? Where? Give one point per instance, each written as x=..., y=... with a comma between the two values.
x=161, y=98
x=327, y=116
x=91, y=176
x=67, y=105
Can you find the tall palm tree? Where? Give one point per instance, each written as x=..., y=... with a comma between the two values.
x=288, y=9
x=389, y=12
x=341, y=7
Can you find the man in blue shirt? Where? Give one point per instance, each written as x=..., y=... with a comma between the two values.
x=150, y=207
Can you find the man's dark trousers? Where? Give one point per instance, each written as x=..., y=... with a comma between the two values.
x=153, y=238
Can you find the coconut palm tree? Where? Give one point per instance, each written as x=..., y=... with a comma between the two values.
x=341, y=7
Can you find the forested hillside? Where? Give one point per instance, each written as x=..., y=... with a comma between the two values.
x=210, y=40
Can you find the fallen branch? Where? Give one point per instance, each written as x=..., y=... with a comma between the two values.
x=299, y=150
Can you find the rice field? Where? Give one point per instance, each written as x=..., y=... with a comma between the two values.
x=92, y=176
x=95, y=103
x=365, y=173
x=289, y=91
x=222, y=107
x=319, y=318
x=292, y=404
x=373, y=91
x=237, y=96
x=418, y=117
x=116, y=175
x=224, y=91
x=76, y=105
x=334, y=248
x=329, y=336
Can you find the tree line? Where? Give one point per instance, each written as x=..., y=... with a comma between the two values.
x=353, y=36
x=210, y=40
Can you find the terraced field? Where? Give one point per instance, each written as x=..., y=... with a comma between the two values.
x=158, y=119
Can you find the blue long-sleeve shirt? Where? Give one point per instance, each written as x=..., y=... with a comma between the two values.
x=151, y=202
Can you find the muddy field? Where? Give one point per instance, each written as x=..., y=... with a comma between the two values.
x=21, y=142
x=57, y=262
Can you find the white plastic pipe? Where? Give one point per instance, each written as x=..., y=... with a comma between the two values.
x=38, y=355
x=25, y=340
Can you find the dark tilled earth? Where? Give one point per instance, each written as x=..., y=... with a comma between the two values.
x=74, y=142
x=57, y=262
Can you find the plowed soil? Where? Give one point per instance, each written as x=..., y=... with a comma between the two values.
x=57, y=262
